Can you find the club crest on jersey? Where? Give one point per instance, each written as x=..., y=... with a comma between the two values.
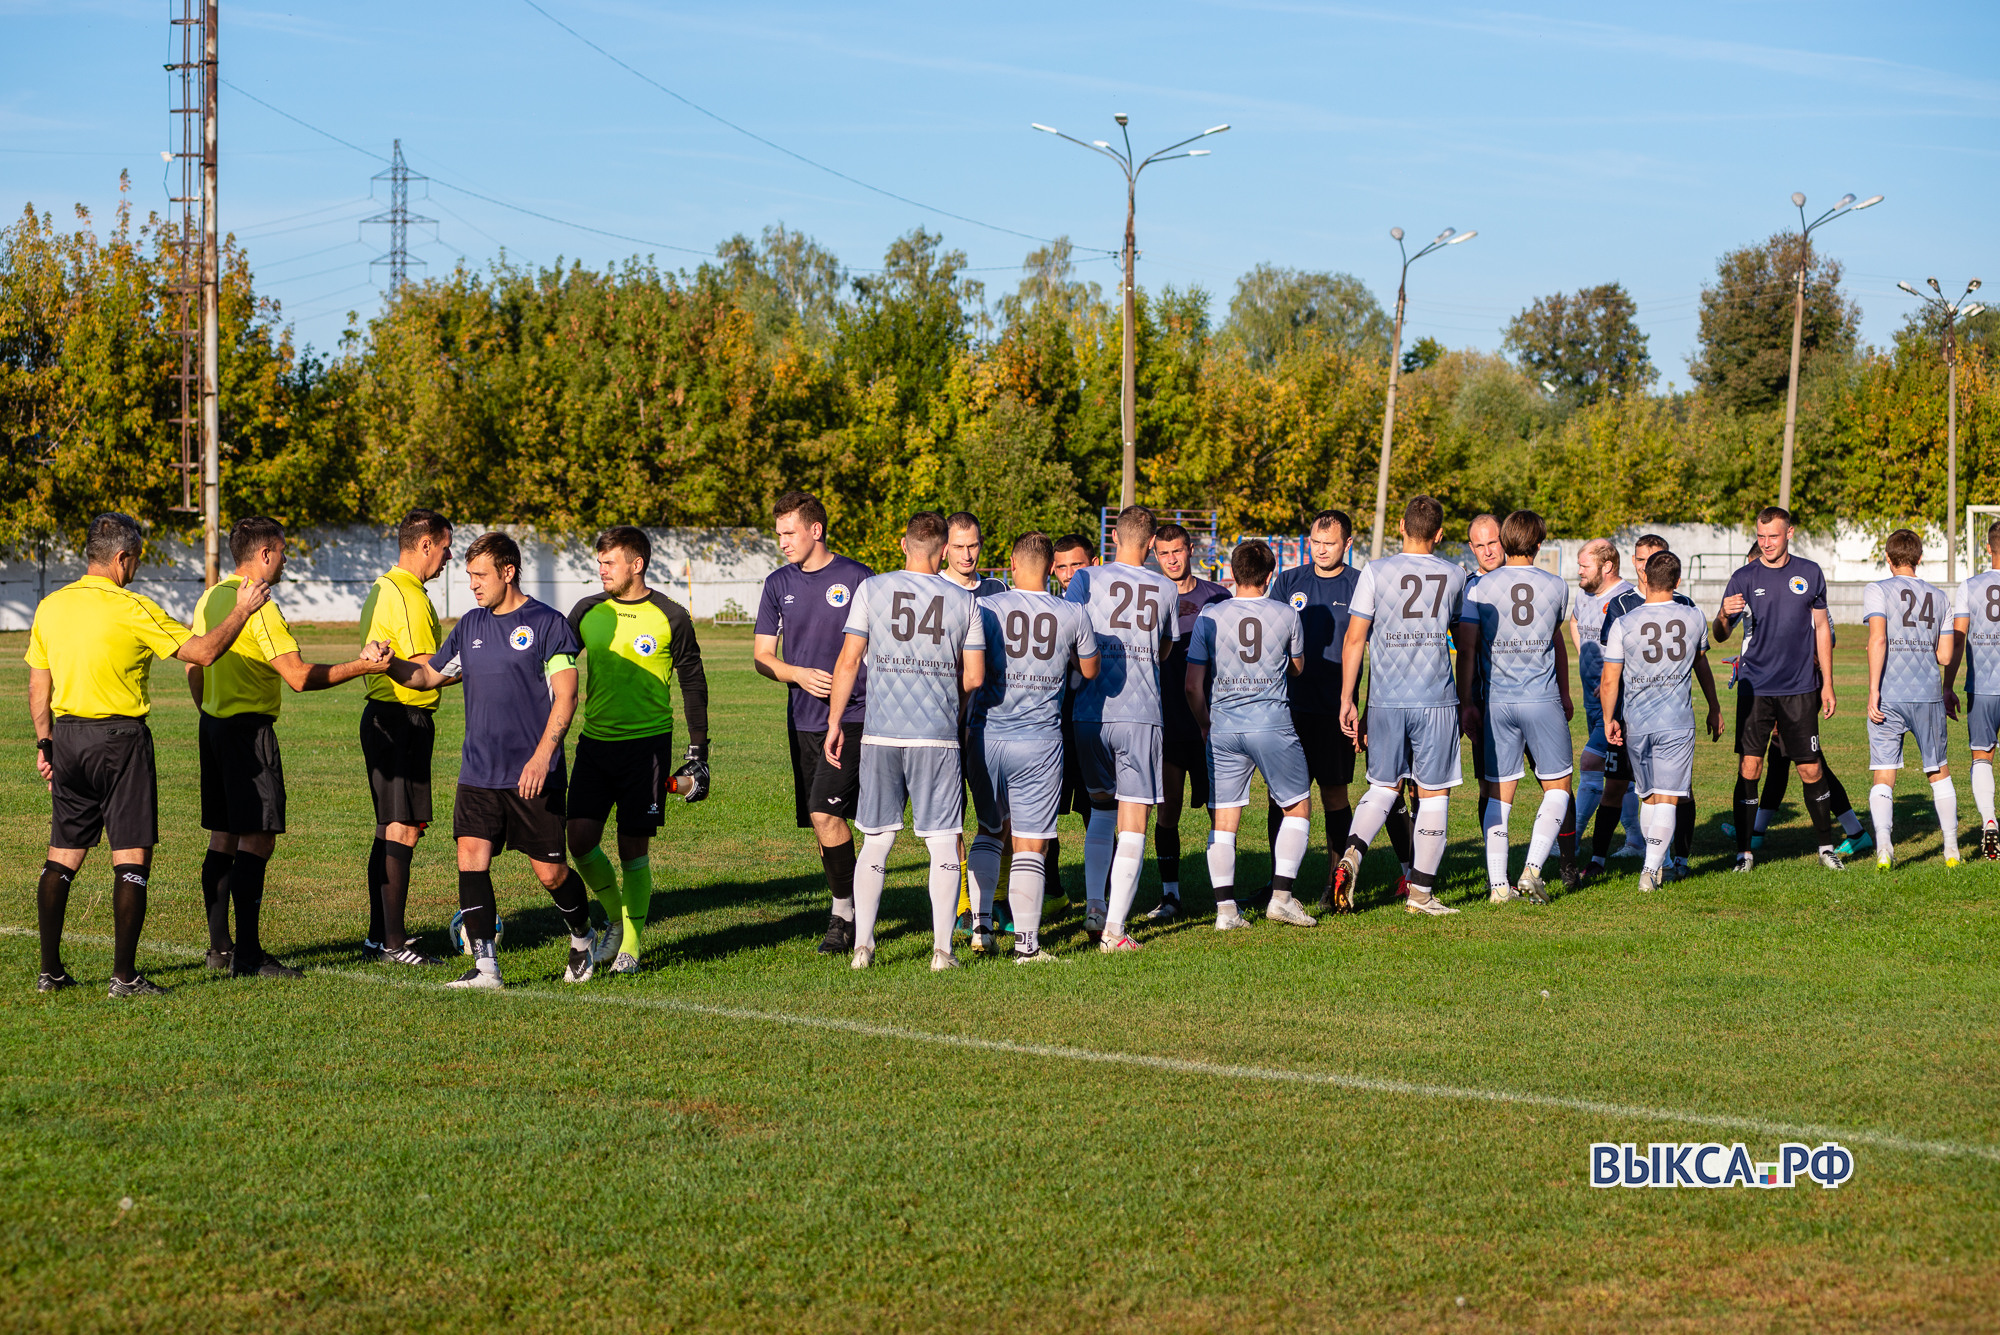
x=523, y=637
x=1298, y=601
x=645, y=645
x=1798, y=584
x=838, y=595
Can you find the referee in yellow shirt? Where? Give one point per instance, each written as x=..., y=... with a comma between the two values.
x=242, y=772
x=90, y=655
x=399, y=729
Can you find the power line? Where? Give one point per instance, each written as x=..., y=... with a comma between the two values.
x=772, y=144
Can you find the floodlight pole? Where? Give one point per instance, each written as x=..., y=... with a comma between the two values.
x=1128, y=396
x=1451, y=236
x=1845, y=206
x=1947, y=314
x=211, y=310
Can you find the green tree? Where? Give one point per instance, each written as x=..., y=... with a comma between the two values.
x=790, y=284
x=1586, y=344
x=1743, y=358
x=1275, y=307
x=910, y=321
x=1422, y=354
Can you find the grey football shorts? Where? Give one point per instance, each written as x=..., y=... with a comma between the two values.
x=926, y=777
x=1122, y=759
x=1515, y=731
x=1276, y=755
x=1420, y=744
x=1982, y=722
x=1662, y=763
x=1017, y=780
x=1924, y=721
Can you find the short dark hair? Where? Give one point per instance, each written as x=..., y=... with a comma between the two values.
x=1069, y=542
x=927, y=532
x=252, y=534
x=1663, y=571
x=1756, y=551
x=497, y=547
x=1903, y=548
x=1770, y=512
x=1136, y=525
x=1036, y=549
x=803, y=504
x=1252, y=562
x=959, y=519
x=1325, y=517
x=112, y=534
x=1522, y=533
x=625, y=538
x=1993, y=536
x=1653, y=540
x=1423, y=518
x=1171, y=533
x=418, y=525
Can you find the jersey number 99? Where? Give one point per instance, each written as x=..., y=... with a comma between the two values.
x=1037, y=636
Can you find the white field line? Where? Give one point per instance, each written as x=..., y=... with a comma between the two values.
x=1757, y=1126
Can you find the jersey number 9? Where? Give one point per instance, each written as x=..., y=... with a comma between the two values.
x=1250, y=635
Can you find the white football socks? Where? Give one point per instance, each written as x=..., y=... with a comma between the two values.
x=982, y=869
x=1428, y=837
x=1370, y=813
x=1982, y=790
x=1882, y=806
x=1944, y=797
x=871, y=869
x=944, y=888
x=1548, y=824
x=1100, y=839
x=1656, y=820
x=1125, y=867
x=1288, y=851
x=1025, y=879
x=1222, y=863
x=1497, y=814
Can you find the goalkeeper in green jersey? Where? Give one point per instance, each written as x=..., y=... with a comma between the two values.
x=633, y=636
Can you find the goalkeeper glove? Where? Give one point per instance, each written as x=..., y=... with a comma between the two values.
x=691, y=779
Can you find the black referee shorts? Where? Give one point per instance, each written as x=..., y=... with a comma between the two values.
x=1793, y=718
x=1189, y=753
x=820, y=788
x=505, y=819
x=1329, y=750
x=242, y=775
x=105, y=783
x=629, y=773
x=396, y=744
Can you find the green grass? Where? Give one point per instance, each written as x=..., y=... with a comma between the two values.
x=345, y=1153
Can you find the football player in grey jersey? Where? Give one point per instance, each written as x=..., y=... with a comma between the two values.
x=1014, y=747
x=1512, y=628
x=1118, y=721
x=1976, y=621
x=1907, y=642
x=963, y=541
x=1240, y=655
x=920, y=639
x=1649, y=655
x=1402, y=618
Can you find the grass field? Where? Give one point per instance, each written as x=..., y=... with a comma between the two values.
x=751, y=1136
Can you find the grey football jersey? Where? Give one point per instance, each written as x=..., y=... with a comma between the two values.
x=1131, y=609
x=1030, y=638
x=1915, y=614
x=1657, y=643
x=916, y=627
x=1519, y=611
x=1978, y=601
x=1588, y=610
x=1251, y=643
x=1411, y=602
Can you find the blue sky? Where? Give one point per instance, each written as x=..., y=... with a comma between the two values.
x=1583, y=148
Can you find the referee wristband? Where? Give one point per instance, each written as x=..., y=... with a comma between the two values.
x=46, y=745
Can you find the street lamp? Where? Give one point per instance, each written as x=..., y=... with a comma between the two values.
x=1128, y=482
x=1948, y=314
x=1845, y=206
x=1450, y=236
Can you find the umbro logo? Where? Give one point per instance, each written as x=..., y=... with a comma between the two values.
x=788, y=597
x=477, y=643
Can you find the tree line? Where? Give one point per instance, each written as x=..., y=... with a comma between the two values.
x=568, y=398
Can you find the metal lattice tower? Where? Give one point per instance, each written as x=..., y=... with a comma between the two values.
x=188, y=98
x=398, y=218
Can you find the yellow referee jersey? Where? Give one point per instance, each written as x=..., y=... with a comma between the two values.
x=399, y=611
x=98, y=642
x=243, y=681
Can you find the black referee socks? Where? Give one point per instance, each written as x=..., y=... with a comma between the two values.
x=395, y=888
x=215, y=897
x=51, y=903
x=1746, y=812
x=378, y=876
x=128, y=916
x=246, y=890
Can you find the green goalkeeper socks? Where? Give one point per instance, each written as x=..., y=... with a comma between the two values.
x=638, y=900
x=598, y=874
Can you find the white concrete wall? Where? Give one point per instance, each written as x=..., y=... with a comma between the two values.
x=330, y=571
